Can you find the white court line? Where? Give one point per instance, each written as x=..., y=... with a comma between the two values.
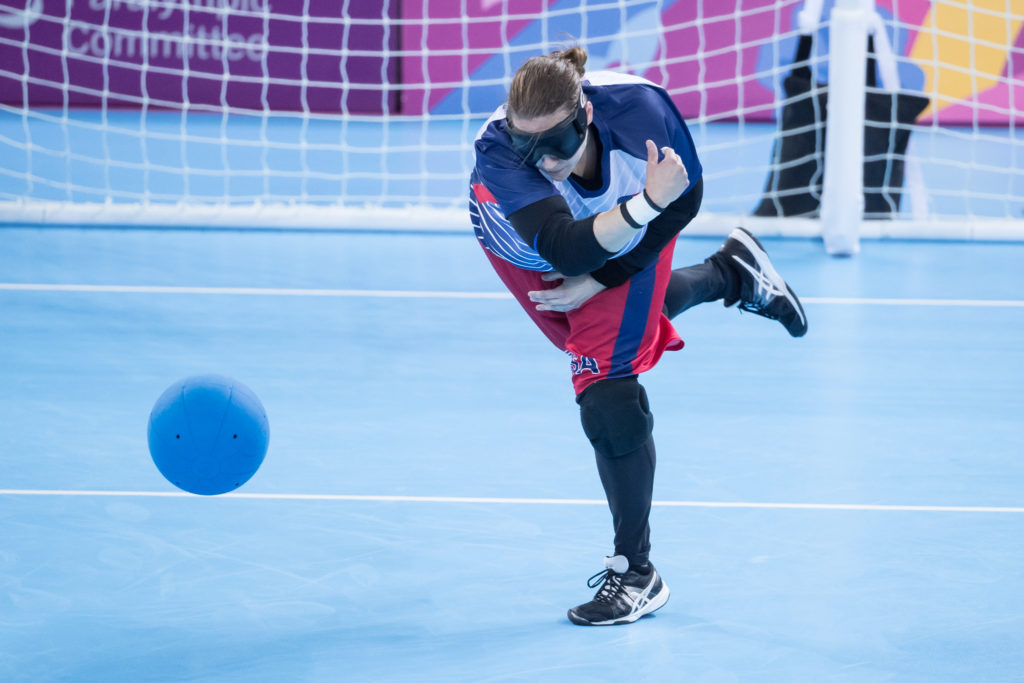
x=992, y=303
x=253, y=291
x=513, y=501
x=413, y=294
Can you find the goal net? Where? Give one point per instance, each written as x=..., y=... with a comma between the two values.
x=362, y=113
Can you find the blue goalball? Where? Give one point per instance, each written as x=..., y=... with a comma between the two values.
x=208, y=434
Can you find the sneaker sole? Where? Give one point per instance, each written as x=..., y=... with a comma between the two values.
x=657, y=603
x=764, y=263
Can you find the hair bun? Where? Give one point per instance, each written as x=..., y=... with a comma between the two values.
x=575, y=55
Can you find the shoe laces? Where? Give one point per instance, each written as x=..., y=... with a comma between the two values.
x=611, y=588
x=758, y=308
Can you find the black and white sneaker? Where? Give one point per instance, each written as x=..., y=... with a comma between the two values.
x=763, y=291
x=625, y=596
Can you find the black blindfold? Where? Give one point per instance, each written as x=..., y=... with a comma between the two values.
x=561, y=141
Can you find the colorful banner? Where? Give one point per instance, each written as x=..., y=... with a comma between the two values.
x=441, y=57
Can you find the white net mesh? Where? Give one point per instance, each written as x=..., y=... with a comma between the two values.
x=361, y=113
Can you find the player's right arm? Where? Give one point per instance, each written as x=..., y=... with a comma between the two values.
x=660, y=232
x=575, y=247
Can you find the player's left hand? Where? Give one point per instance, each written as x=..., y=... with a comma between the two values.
x=571, y=294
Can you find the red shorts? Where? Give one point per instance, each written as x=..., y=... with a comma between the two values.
x=618, y=332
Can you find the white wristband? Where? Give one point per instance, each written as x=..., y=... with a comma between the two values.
x=638, y=211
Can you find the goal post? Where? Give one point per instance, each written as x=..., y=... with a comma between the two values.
x=338, y=114
x=842, y=197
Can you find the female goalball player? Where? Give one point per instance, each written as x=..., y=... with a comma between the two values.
x=582, y=183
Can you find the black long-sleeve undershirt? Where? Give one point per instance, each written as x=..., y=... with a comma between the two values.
x=572, y=248
x=566, y=243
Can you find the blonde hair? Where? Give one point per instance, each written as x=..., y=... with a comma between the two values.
x=547, y=84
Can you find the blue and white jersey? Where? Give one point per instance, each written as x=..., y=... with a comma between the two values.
x=628, y=110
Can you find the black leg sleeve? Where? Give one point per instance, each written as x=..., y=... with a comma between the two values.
x=708, y=281
x=617, y=419
x=628, y=482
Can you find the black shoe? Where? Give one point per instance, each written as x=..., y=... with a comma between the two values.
x=763, y=291
x=625, y=596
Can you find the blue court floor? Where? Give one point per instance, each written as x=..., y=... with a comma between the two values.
x=844, y=507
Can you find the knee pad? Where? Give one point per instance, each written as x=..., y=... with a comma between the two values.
x=616, y=416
